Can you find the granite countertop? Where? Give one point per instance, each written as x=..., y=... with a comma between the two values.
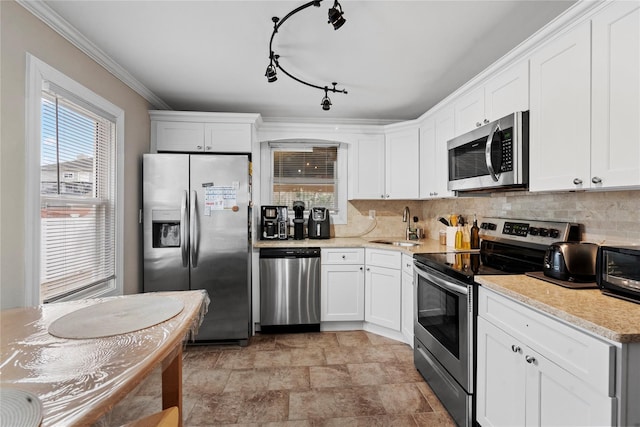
x=425, y=245
x=611, y=318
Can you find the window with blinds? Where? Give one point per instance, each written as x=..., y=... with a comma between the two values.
x=77, y=196
x=305, y=172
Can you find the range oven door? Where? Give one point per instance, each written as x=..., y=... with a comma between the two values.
x=445, y=322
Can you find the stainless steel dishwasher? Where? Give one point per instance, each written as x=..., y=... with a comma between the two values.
x=289, y=289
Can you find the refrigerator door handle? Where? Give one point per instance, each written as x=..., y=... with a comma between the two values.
x=194, y=231
x=184, y=229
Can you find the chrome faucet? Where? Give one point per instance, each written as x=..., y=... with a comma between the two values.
x=406, y=217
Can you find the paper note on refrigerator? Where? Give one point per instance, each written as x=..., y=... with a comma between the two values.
x=219, y=197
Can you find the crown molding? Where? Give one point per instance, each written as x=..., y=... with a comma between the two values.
x=47, y=15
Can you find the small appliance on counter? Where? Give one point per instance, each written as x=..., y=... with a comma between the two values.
x=274, y=223
x=571, y=261
x=618, y=271
x=298, y=220
x=319, y=224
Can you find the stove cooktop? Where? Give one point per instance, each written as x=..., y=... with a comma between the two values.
x=509, y=246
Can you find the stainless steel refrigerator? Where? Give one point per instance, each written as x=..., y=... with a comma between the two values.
x=196, y=235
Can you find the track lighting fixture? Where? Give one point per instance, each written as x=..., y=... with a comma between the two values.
x=326, y=102
x=336, y=19
x=335, y=16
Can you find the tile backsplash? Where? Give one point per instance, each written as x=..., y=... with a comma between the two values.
x=608, y=217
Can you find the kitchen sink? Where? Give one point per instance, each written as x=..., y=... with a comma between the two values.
x=396, y=242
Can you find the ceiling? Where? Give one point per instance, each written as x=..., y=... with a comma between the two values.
x=397, y=59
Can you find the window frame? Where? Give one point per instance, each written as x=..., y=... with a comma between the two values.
x=341, y=167
x=38, y=72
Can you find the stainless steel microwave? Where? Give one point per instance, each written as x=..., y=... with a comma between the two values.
x=492, y=156
x=618, y=271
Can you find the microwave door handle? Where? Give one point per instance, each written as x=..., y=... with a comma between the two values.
x=184, y=229
x=194, y=231
x=487, y=152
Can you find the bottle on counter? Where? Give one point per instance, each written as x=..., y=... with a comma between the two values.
x=459, y=234
x=475, y=234
x=466, y=237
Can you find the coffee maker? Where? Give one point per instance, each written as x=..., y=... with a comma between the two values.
x=319, y=223
x=274, y=222
x=298, y=220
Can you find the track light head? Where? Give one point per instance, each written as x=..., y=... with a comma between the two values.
x=336, y=17
x=326, y=102
x=270, y=74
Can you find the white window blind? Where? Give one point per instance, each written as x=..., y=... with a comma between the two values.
x=77, y=196
x=305, y=172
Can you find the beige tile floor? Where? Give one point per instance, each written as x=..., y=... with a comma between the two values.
x=351, y=378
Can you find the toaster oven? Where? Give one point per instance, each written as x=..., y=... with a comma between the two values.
x=618, y=271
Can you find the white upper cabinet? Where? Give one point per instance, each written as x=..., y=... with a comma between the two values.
x=367, y=168
x=227, y=137
x=560, y=112
x=402, y=164
x=195, y=132
x=386, y=167
x=585, y=104
x=615, y=128
x=179, y=136
x=435, y=131
x=505, y=93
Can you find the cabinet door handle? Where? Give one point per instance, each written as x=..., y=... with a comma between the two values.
x=515, y=348
x=577, y=181
x=530, y=359
x=596, y=180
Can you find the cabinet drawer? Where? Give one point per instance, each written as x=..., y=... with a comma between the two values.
x=342, y=256
x=383, y=258
x=407, y=264
x=583, y=355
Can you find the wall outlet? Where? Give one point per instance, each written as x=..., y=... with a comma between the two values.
x=372, y=214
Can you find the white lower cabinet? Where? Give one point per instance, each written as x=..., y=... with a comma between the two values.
x=382, y=293
x=535, y=370
x=342, y=285
x=407, y=299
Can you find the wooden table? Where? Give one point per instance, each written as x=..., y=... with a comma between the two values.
x=80, y=380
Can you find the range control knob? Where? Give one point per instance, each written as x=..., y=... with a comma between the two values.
x=544, y=232
x=534, y=231
x=554, y=233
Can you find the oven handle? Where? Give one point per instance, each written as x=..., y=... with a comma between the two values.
x=462, y=290
x=487, y=152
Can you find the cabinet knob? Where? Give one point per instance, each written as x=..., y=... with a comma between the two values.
x=361, y=268
x=382, y=196
x=208, y=147
x=478, y=124
x=515, y=348
x=344, y=257
x=387, y=196
x=596, y=180
x=530, y=359
x=199, y=147
x=577, y=181
x=368, y=269
x=486, y=121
